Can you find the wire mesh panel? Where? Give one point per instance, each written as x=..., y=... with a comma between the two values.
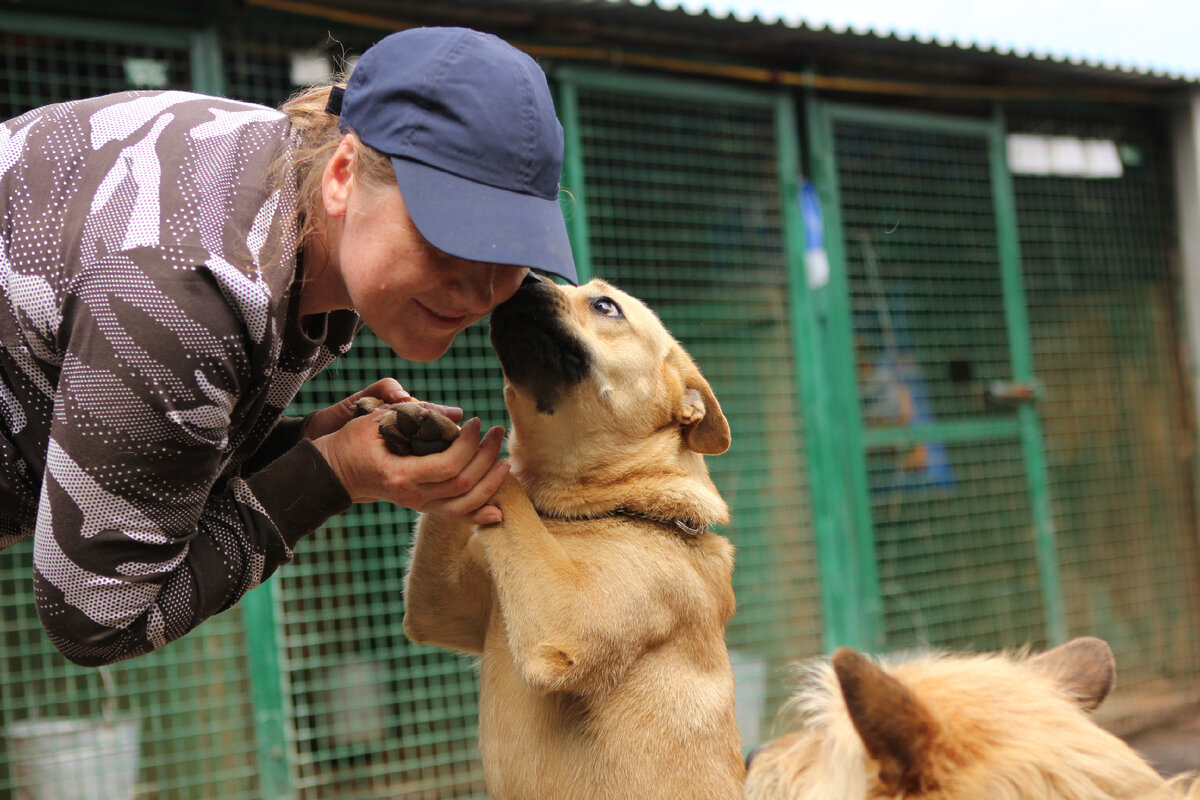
x=177, y=723
x=41, y=68
x=683, y=209
x=268, y=60
x=372, y=715
x=947, y=476
x=1097, y=246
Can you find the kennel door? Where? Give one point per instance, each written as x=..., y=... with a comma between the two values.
x=941, y=401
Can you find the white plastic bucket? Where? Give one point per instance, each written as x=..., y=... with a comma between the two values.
x=750, y=684
x=73, y=759
x=354, y=694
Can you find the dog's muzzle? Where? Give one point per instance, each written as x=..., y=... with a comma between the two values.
x=538, y=349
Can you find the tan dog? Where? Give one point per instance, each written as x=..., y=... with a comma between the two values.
x=599, y=604
x=958, y=728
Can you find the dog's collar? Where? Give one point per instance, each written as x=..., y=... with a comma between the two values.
x=688, y=530
x=683, y=527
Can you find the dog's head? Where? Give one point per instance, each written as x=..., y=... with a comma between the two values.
x=954, y=728
x=596, y=387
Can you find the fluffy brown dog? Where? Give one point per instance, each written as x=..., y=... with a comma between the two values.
x=989, y=727
x=598, y=605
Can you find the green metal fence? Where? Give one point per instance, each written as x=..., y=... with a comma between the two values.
x=176, y=723
x=366, y=713
x=1098, y=255
x=951, y=481
x=888, y=487
x=983, y=308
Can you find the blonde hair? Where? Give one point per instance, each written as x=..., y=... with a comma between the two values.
x=315, y=136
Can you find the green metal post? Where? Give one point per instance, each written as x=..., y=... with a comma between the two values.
x=270, y=701
x=1046, y=546
x=266, y=672
x=573, y=176
x=849, y=575
x=95, y=29
x=807, y=341
x=810, y=378
x=208, y=75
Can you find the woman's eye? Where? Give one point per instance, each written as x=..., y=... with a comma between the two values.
x=606, y=306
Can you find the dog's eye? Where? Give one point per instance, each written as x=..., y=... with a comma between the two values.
x=606, y=306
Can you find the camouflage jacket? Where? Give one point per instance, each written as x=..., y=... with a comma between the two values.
x=149, y=343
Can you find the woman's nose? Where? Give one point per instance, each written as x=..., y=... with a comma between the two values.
x=474, y=286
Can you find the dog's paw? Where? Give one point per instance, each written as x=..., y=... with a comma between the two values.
x=411, y=429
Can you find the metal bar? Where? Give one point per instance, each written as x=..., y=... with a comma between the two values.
x=810, y=380
x=851, y=600
x=96, y=29
x=1184, y=130
x=957, y=431
x=1046, y=546
x=887, y=118
x=674, y=88
x=842, y=375
x=808, y=332
x=208, y=73
x=574, y=177
x=271, y=712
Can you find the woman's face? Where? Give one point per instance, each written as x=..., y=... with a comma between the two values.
x=410, y=294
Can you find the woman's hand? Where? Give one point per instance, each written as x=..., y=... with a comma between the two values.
x=456, y=483
x=389, y=390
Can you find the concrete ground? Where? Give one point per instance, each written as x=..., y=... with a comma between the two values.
x=1171, y=748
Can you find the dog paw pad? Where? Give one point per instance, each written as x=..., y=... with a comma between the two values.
x=411, y=429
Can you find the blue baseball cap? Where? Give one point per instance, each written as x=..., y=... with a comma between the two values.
x=469, y=124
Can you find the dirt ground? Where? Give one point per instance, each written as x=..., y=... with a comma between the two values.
x=1171, y=749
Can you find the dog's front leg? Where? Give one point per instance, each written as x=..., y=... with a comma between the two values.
x=447, y=591
x=560, y=623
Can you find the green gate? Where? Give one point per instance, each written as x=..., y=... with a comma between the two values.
x=925, y=315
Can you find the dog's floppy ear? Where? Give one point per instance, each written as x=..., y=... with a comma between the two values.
x=895, y=728
x=705, y=428
x=1085, y=667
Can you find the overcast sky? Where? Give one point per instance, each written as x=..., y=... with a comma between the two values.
x=1163, y=35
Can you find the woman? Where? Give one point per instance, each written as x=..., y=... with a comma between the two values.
x=176, y=266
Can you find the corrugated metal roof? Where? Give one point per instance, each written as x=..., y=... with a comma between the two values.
x=798, y=21
x=706, y=13
x=694, y=29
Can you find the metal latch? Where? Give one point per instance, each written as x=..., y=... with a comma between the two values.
x=1012, y=393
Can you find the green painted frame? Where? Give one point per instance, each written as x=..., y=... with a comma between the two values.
x=854, y=616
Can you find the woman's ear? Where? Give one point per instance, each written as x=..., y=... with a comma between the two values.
x=338, y=177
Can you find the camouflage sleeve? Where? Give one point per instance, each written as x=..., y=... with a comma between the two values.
x=138, y=538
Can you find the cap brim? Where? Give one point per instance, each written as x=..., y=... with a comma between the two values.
x=482, y=223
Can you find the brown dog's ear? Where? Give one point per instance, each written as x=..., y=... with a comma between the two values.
x=705, y=429
x=895, y=728
x=1085, y=667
